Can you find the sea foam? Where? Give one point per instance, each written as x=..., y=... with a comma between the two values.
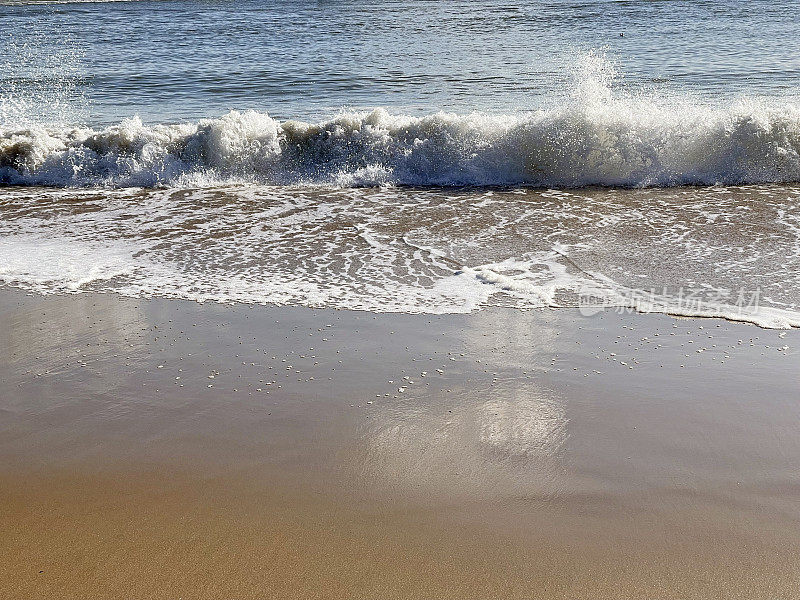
x=595, y=138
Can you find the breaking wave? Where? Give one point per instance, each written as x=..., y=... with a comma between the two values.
x=595, y=139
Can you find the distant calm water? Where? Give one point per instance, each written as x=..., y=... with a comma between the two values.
x=170, y=61
x=419, y=156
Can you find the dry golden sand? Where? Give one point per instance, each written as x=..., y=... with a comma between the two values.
x=160, y=535
x=546, y=470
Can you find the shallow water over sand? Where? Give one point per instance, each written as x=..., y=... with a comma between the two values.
x=708, y=251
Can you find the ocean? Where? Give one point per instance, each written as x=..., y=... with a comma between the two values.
x=406, y=156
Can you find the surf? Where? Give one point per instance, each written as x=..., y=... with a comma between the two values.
x=597, y=137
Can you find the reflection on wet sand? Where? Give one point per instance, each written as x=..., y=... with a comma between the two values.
x=505, y=440
x=527, y=450
x=97, y=327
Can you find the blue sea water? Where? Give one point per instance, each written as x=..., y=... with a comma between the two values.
x=415, y=92
x=406, y=155
x=177, y=60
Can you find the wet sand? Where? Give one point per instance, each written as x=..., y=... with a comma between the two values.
x=165, y=449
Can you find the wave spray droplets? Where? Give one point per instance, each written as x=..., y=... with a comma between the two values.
x=598, y=137
x=41, y=83
x=322, y=220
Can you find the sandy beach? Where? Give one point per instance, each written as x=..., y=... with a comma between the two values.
x=168, y=449
x=338, y=300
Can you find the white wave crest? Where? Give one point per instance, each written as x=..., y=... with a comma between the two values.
x=596, y=139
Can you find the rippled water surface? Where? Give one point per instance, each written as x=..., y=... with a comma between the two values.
x=180, y=60
x=406, y=156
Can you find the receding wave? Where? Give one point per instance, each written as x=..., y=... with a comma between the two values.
x=708, y=252
x=596, y=140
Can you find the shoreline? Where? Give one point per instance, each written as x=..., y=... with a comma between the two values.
x=269, y=451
